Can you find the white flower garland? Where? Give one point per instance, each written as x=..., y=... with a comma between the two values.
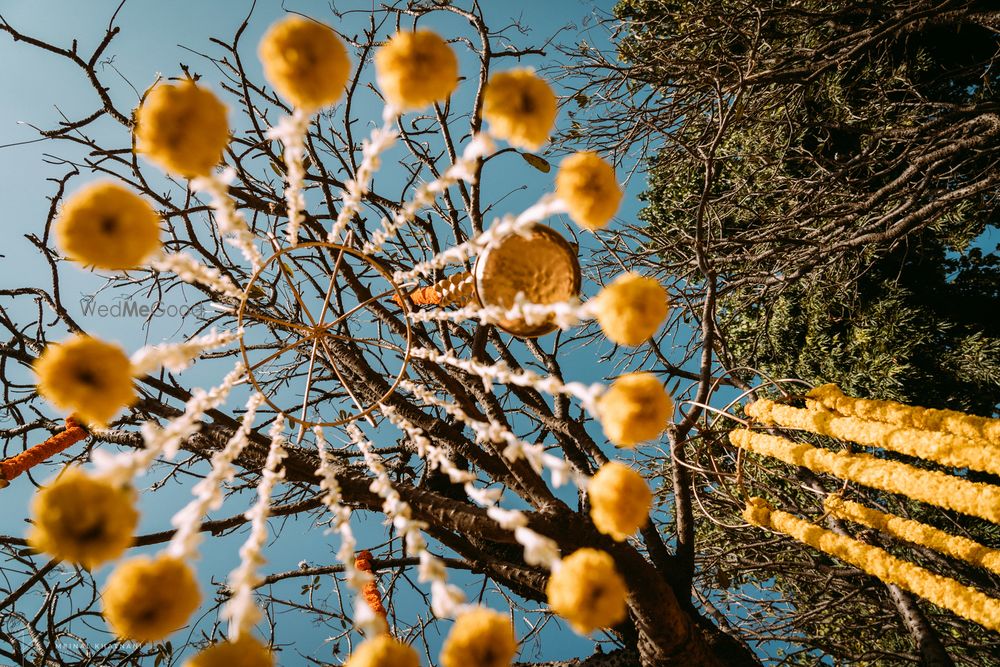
x=538, y=549
x=462, y=170
x=231, y=222
x=446, y=599
x=502, y=373
x=121, y=468
x=208, y=492
x=292, y=131
x=547, y=206
x=241, y=611
x=381, y=140
x=175, y=357
x=190, y=270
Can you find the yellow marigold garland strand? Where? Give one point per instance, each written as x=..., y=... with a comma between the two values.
x=964, y=601
x=927, y=486
x=890, y=412
x=916, y=533
x=944, y=448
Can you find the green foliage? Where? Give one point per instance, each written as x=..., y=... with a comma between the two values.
x=844, y=159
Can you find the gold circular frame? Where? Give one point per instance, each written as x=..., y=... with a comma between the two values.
x=557, y=244
x=318, y=329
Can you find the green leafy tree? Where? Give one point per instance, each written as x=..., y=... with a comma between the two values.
x=822, y=185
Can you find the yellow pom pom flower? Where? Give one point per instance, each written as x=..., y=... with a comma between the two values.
x=520, y=108
x=631, y=308
x=620, y=500
x=587, y=186
x=305, y=61
x=183, y=128
x=86, y=376
x=383, y=651
x=480, y=638
x=588, y=591
x=416, y=69
x=247, y=651
x=634, y=409
x=82, y=519
x=145, y=599
x=108, y=226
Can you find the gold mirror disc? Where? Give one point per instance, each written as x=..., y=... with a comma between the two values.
x=541, y=264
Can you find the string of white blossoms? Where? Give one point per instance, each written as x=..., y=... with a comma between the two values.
x=122, y=467
x=492, y=431
x=538, y=549
x=536, y=546
x=291, y=131
x=501, y=373
x=241, y=611
x=208, y=492
x=175, y=357
x=381, y=140
x=462, y=170
x=190, y=270
x=333, y=500
x=446, y=599
x=547, y=206
x=231, y=222
x=564, y=314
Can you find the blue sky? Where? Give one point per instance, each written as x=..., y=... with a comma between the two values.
x=39, y=87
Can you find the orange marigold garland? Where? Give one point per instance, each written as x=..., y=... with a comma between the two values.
x=26, y=460
x=363, y=562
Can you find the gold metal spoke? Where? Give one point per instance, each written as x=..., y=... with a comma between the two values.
x=280, y=352
x=363, y=304
x=345, y=384
x=277, y=322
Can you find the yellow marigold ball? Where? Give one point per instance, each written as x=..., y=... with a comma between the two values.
x=520, y=108
x=587, y=186
x=247, y=651
x=634, y=409
x=588, y=591
x=305, y=61
x=86, y=376
x=620, y=500
x=416, y=69
x=82, y=519
x=480, y=638
x=107, y=226
x=631, y=308
x=145, y=599
x=383, y=651
x=183, y=128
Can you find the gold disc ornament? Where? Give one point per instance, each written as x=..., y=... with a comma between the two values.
x=541, y=264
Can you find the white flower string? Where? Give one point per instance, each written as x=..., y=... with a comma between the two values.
x=175, y=357
x=462, y=170
x=121, y=468
x=536, y=456
x=231, y=222
x=190, y=270
x=564, y=314
x=538, y=549
x=241, y=611
x=381, y=140
x=446, y=599
x=292, y=131
x=547, y=206
x=369, y=623
x=208, y=492
x=500, y=372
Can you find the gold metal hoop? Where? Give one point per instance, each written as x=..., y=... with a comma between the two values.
x=318, y=329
